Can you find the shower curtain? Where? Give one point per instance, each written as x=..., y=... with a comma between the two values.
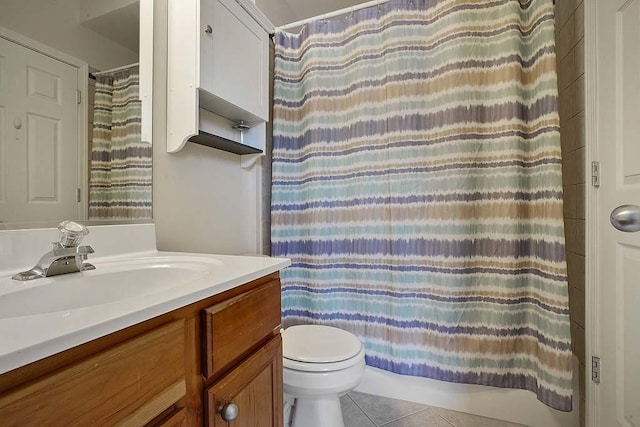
x=417, y=189
x=120, y=172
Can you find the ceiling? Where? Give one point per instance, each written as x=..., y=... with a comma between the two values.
x=282, y=12
x=118, y=20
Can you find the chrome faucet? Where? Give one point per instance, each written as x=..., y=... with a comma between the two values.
x=65, y=257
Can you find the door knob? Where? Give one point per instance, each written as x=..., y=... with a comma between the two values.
x=626, y=218
x=228, y=411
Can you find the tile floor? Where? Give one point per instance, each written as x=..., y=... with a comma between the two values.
x=366, y=410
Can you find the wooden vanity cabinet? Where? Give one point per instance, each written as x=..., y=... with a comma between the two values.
x=243, y=358
x=128, y=384
x=255, y=386
x=172, y=370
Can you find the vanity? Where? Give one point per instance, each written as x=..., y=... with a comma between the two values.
x=148, y=338
x=203, y=352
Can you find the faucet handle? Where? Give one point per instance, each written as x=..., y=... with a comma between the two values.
x=71, y=233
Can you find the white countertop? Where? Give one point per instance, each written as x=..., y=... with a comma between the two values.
x=27, y=338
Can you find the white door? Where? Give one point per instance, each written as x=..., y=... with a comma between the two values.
x=616, y=325
x=38, y=136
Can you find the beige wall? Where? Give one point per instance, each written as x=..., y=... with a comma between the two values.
x=279, y=12
x=55, y=23
x=203, y=201
x=570, y=57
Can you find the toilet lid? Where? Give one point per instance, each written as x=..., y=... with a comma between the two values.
x=319, y=344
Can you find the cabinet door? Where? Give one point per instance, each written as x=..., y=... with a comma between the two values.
x=234, y=61
x=255, y=386
x=178, y=419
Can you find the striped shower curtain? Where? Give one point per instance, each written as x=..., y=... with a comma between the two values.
x=417, y=189
x=120, y=172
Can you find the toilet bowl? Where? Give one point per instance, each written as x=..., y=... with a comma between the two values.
x=320, y=364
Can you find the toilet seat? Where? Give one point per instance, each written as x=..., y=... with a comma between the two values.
x=323, y=367
x=320, y=364
x=318, y=348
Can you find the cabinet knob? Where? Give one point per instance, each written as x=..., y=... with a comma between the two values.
x=208, y=29
x=228, y=411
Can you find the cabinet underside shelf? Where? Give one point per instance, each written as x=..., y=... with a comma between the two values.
x=215, y=141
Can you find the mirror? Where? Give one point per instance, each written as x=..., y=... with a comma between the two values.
x=75, y=111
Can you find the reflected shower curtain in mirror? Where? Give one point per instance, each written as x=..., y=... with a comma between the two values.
x=417, y=189
x=120, y=173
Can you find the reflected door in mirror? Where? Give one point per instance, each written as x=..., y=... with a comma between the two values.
x=39, y=176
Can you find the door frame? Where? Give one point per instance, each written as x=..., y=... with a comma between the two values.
x=592, y=215
x=82, y=108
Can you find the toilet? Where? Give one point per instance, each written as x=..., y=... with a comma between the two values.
x=320, y=364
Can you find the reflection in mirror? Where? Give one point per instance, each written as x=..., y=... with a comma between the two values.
x=71, y=144
x=120, y=175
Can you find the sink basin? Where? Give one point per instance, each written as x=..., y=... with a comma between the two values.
x=110, y=282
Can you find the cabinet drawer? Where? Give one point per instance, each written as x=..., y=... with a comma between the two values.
x=234, y=327
x=129, y=384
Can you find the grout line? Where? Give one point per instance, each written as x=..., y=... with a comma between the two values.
x=444, y=418
x=402, y=417
x=415, y=413
x=362, y=410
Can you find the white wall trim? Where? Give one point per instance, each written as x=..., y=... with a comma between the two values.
x=252, y=9
x=183, y=72
x=592, y=268
x=146, y=68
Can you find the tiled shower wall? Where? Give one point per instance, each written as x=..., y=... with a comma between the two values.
x=266, y=166
x=570, y=57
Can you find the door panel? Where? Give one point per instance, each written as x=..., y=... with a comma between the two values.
x=617, y=299
x=629, y=354
x=628, y=67
x=43, y=146
x=43, y=85
x=38, y=136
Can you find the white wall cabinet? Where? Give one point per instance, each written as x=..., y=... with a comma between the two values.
x=218, y=60
x=234, y=62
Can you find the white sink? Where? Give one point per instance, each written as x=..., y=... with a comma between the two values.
x=110, y=282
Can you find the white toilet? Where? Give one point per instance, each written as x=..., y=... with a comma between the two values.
x=321, y=363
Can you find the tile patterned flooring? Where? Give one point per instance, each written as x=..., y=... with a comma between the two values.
x=366, y=410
